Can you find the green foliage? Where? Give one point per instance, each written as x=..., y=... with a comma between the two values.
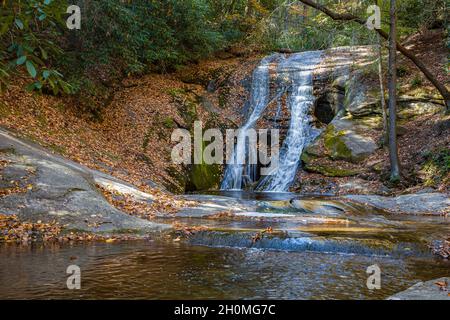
x=416, y=81
x=117, y=38
x=402, y=71
x=141, y=35
x=169, y=123
x=123, y=38
x=298, y=27
x=28, y=35
x=416, y=14
x=437, y=167
x=294, y=26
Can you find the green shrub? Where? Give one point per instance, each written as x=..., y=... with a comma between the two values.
x=29, y=32
x=416, y=81
x=436, y=167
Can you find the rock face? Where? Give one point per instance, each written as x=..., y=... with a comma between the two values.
x=61, y=190
x=343, y=95
x=348, y=111
x=345, y=140
x=421, y=203
x=425, y=291
x=361, y=100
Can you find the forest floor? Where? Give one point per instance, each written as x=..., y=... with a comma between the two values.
x=130, y=138
x=423, y=139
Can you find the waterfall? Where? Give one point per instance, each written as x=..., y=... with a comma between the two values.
x=259, y=99
x=297, y=70
x=294, y=72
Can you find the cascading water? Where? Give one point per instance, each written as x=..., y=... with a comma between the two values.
x=294, y=72
x=258, y=101
x=298, y=71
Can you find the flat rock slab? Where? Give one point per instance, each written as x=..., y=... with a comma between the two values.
x=60, y=190
x=424, y=291
x=415, y=204
x=211, y=205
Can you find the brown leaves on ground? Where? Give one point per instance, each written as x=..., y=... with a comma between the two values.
x=130, y=137
x=164, y=203
x=14, y=230
x=16, y=188
x=187, y=230
x=8, y=191
x=259, y=235
x=442, y=248
x=443, y=285
x=222, y=215
x=3, y=163
x=89, y=237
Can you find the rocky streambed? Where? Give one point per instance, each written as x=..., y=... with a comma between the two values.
x=231, y=245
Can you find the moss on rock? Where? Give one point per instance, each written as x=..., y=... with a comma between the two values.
x=335, y=145
x=330, y=171
x=204, y=177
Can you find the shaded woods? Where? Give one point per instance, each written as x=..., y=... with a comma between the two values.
x=121, y=40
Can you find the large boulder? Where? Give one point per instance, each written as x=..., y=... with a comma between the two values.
x=353, y=107
x=360, y=99
x=433, y=203
x=409, y=109
x=50, y=188
x=346, y=140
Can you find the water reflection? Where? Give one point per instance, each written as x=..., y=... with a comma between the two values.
x=163, y=270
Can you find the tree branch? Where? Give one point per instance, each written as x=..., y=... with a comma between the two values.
x=349, y=17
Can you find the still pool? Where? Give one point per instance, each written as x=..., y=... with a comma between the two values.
x=174, y=270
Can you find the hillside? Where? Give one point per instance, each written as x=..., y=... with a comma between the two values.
x=129, y=136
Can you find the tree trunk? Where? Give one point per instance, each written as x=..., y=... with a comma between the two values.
x=392, y=85
x=382, y=97
x=419, y=64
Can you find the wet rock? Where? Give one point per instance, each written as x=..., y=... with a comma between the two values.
x=64, y=191
x=319, y=206
x=327, y=106
x=429, y=290
x=203, y=177
x=209, y=205
x=423, y=203
x=343, y=139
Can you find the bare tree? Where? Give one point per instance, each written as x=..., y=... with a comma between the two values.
x=392, y=86
x=382, y=96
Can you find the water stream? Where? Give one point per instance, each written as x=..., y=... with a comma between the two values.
x=295, y=75
x=309, y=255
x=318, y=248
x=167, y=270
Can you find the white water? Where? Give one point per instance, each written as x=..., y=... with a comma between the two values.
x=258, y=101
x=296, y=73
